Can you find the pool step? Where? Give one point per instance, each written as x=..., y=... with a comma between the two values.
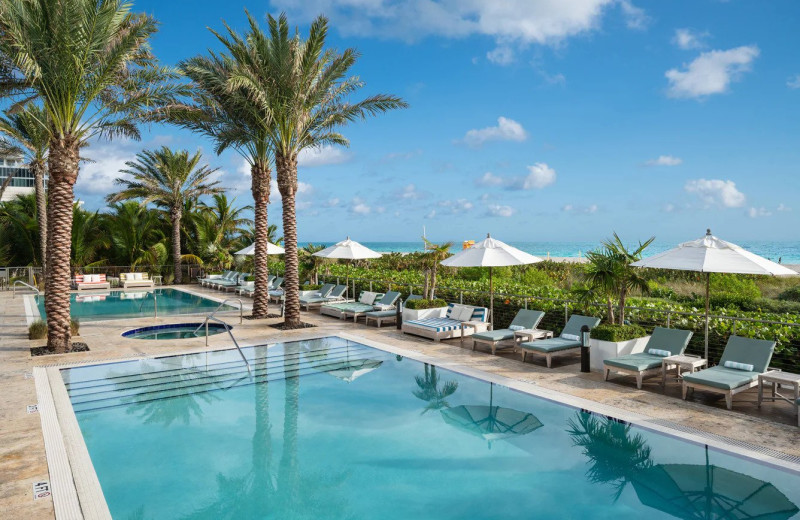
x=222, y=380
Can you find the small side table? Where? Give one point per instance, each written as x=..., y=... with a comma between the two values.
x=775, y=378
x=680, y=361
x=477, y=326
x=521, y=336
x=113, y=281
x=157, y=279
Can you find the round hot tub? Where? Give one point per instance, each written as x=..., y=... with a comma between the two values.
x=174, y=331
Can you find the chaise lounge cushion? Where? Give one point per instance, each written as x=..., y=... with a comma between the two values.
x=637, y=362
x=550, y=345
x=437, y=324
x=494, y=335
x=721, y=377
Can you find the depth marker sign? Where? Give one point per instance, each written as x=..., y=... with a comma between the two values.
x=41, y=489
x=33, y=408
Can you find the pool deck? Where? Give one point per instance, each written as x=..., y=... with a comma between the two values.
x=22, y=454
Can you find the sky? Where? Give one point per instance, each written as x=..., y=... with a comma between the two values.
x=534, y=120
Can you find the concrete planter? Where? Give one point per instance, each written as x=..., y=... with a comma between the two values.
x=602, y=350
x=420, y=314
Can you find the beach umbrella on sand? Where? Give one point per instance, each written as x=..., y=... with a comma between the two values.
x=491, y=422
x=272, y=249
x=705, y=491
x=348, y=250
x=712, y=255
x=490, y=253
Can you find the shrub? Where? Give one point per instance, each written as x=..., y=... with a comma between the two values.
x=250, y=278
x=310, y=287
x=727, y=290
x=770, y=305
x=660, y=291
x=38, y=329
x=790, y=295
x=609, y=332
x=425, y=304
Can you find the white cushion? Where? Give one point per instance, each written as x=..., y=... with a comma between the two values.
x=137, y=276
x=461, y=313
x=516, y=327
x=368, y=297
x=90, y=278
x=571, y=337
x=659, y=352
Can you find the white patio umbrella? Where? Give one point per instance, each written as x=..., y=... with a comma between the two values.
x=490, y=253
x=272, y=249
x=347, y=250
x=712, y=255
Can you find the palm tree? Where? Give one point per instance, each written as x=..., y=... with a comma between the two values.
x=89, y=238
x=30, y=137
x=600, y=275
x=429, y=389
x=307, y=91
x=168, y=179
x=311, y=263
x=89, y=64
x=233, y=119
x=629, y=278
x=435, y=254
x=229, y=219
x=136, y=235
x=18, y=230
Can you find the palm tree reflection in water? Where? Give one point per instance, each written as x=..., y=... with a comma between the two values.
x=429, y=389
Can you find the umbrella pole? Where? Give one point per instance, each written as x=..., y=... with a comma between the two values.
x=708, y=288
x=491, y=300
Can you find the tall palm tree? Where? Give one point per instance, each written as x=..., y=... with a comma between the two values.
x=233, y=119
x=29, y=135
x=167, y=179
x=307, y=91
x=89, y=64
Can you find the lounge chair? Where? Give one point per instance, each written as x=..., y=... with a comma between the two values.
x=384, y=303
x=334, y=295
x=129, y=280
x=322, y=293
x=448, y=324
x=208, y=280
x=525, y=319
x=276, y=283
x=568, y=340
x=246, y=289
x=84, y=282
x=224, y=283
x=366, y=302
x=662, y=343
x=389, y=315
x=742, y=361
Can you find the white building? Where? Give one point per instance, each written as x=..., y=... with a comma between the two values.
x=22, y=183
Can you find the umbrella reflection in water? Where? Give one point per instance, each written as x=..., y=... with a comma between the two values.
x=491, y=422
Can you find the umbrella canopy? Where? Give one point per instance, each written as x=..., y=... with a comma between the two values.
x=712, y=255
x=272, y=249
x=490, y=253
x=700, y=491
x=491, y=422
x=348, y=250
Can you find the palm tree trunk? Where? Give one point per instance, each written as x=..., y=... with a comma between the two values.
x=286, y=168
x=610, y=316
x=175, y=216
x=622, y=297
x=6, y=182
x=260, y=176
x=63, y=166
x=41, y=213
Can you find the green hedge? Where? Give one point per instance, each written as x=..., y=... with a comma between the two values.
x=310, y=287
x=608, y=332
x=426, y=304
x=790, y=295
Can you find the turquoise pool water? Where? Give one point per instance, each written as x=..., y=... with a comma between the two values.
x=113, y=305
x=175, y=331
x=331, y=429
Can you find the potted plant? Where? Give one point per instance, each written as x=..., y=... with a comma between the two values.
x=421, y=309
x=610, y=340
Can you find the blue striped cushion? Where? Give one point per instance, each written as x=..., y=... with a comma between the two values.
x=738, y=366
x=659, y=352
x=438, y=324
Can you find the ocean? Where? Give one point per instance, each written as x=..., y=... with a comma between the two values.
x=785, y=252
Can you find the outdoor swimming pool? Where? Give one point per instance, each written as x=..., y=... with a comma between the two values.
x=328, y=428
x=114, y=305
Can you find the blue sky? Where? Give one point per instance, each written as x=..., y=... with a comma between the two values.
x=533, y=119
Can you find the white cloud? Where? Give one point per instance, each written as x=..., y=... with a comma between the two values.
x=758, y=212
x=783, y=207
x=687, y=39
x=539, y=176
x=321, y=156
x=664, y=160
x=410, y=192
x=305, y=191
x=546, y=22
x=711, y=73
x=716, y=192
x=490, y=179
x=506, y=130
x=496, y=210
x=669, y=208
x=359, y=207
x=581, y=210
x=457, y=206
x=332, y=203
x=431, y=214
x=97, y=177
x=793, y=82
x=501, y=55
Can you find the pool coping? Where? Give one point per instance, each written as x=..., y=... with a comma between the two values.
x=76, y=488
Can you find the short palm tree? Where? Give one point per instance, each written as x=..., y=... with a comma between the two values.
x=30, y=137
x=90, y=238
x=235, y=120
x=136, y=234
x=88, y=62
x=307, y=91
x=229, y=218
x=435, y=253
x=311, y=263
x=167, y=179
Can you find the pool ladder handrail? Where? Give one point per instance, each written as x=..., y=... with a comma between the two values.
x=20, y=282
x=226, y=300
x=155, y=304
x=228, y=330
